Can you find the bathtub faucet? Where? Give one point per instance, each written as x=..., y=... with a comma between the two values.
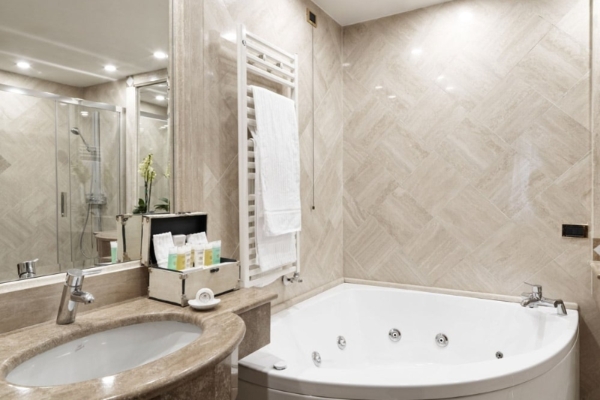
x=535, y=299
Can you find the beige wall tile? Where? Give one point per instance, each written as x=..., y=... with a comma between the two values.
x=471, y=148
x=434, y=183
x=554, y=65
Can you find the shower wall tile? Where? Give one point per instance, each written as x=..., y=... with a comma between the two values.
x=28, y=181
x=466, y=146
x=321, y=105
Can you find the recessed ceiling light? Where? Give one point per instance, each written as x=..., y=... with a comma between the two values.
x=110, y=68
x=345, y=65
x=160, y=55
x=378, y=87
x=23, y=65
x=417, y=51
x=160, y=98
x=85, y=113
x=393, y=96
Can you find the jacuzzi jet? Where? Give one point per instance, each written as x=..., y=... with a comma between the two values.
x=441, y=340
x=499, y=355
x=316, y=358
x=395, y=335
x=341, y=341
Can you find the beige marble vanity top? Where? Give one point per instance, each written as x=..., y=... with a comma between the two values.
x=222, y=332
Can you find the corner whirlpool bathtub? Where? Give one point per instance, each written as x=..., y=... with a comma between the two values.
x=493, y=350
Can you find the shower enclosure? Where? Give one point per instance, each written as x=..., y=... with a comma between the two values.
x=59, y=180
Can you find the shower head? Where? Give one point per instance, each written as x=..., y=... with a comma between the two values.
x=75, y=131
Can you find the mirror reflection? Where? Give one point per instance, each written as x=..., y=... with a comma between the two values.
x=65, y=152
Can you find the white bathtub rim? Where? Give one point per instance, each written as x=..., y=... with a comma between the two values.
x=322, y=382
x=348, y=390
x=573, y=353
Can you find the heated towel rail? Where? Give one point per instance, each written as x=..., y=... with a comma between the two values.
x=269, y=66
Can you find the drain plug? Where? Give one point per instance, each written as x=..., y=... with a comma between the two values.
x=341, y=341
x=499, y=355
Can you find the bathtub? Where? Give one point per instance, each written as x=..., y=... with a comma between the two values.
x=493, y=350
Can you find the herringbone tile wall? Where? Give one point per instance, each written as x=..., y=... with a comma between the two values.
x=466, y=146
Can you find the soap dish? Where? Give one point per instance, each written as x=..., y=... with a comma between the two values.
x=197, y=305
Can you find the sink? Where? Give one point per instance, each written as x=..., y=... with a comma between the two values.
x=104, y=354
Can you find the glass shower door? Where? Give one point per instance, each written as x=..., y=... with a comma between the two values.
x=90, y=139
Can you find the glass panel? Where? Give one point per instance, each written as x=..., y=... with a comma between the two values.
x=94, y=143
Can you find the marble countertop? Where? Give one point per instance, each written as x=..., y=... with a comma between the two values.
x=222, y=332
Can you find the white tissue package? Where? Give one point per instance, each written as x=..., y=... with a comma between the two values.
x=197, y=238
x=162, y=243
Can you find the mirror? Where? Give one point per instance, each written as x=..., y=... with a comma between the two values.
x=73, y=74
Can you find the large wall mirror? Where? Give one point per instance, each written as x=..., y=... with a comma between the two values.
x=84, y=100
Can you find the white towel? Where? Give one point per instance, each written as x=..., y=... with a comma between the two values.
x=271, y=251
x=278, y=145
x=162, y=243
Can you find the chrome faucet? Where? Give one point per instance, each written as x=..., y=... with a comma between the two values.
x=535, y=299
x=72, y=295
x=26, y=269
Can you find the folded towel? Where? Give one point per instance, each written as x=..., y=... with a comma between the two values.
x=278, y=145
x=162, y=243
x=271, y=251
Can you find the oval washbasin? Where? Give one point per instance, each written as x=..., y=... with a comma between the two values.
x=104, y=353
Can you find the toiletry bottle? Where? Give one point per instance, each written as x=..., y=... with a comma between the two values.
x=172, y=260
x=113, y=252
x=180, y=258
x=199, y=255
x=188, y=257
x=207, y=255
x=216, y=252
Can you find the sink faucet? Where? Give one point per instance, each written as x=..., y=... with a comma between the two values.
x=535, y=299
x=72, y=295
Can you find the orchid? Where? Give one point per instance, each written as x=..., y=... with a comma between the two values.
x=147, y=173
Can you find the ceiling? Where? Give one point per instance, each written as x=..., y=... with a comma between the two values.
x=70, y=41
x=348, y=12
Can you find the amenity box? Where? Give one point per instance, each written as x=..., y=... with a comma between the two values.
x=177, y=287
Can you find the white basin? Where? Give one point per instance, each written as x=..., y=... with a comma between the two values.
x=104, y=354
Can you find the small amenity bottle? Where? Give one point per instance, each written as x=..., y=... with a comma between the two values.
x=208, y=255
x=180, y=258
x=113, y=252
x=216, y=252
x=172, y=260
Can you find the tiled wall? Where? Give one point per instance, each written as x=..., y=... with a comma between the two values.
x=284, y=24
x=466, y=146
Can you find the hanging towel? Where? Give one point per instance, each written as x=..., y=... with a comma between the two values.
x=271, y=251
x=277, y=133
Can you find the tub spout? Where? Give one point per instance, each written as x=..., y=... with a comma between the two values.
x=535, y=299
